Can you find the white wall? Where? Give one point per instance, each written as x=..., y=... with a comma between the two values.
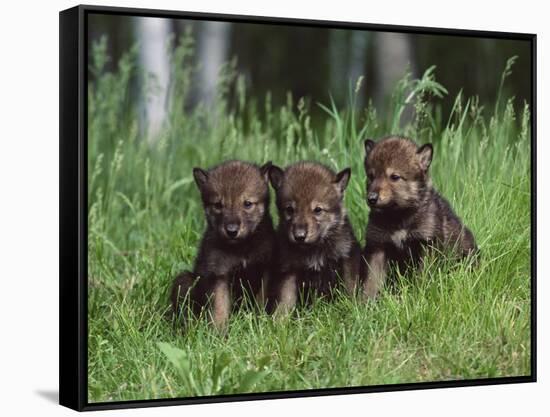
x=29, y=206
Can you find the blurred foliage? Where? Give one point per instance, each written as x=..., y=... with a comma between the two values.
x=276, y=59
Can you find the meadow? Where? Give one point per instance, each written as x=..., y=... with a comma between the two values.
x=447, y=322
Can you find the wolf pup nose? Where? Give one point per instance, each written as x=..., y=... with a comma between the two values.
x=300, y=234
x=232, y=230
x=315, y=242
x=372, y=198
x=236, y=249
x=407, y=214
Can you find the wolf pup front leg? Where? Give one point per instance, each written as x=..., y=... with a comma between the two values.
x=236, y=250
x=375, y=260
x=407, y=215
x=190, y=295
x=317, y=249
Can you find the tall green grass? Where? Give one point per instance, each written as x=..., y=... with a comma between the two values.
x=145, y=220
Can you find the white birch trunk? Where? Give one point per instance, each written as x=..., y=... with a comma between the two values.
x=393, y=56
x=213, y=52
x=153, y=35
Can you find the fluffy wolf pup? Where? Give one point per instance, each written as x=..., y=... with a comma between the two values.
x=407, y=214
x=316, y=248
x=236, y=249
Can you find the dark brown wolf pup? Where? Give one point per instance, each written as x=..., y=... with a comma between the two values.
x=407, y=214
x=316, y=247
x=236, y=249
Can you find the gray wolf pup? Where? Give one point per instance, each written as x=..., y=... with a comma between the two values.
x=236, y=249
x=316, y=248
x=407, y=214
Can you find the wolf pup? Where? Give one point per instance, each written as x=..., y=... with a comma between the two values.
x=407, y=214
x=236, y=249
x=316, y=247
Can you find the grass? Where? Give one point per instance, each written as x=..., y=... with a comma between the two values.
x=145, y=221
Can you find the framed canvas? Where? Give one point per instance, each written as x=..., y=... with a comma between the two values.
x=256, y=208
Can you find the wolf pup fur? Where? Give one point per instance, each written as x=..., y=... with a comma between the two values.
x=316, y=247
x=236, y=249
x=407, y=214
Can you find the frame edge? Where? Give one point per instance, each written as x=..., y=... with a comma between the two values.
x=71, y=389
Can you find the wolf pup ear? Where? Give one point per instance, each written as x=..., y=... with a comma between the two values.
x=264, y=169
x=201, y=177
x=369, y=144
x=276, y=175
x=425, y=154
x=342, y=179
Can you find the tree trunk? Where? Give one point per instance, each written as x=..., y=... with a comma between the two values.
x=213, y=50
x=153, y=35
x=393, y=56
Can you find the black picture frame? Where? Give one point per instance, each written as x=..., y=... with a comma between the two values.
x=73, y=291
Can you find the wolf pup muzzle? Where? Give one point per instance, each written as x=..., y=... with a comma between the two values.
x=299, y=233
x=372, y=198
x=232, y=230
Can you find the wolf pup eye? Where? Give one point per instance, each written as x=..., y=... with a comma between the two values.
x=395, y=177
x=217, y=206
x=317, y=210
x=247, y=204
x=289, y=210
